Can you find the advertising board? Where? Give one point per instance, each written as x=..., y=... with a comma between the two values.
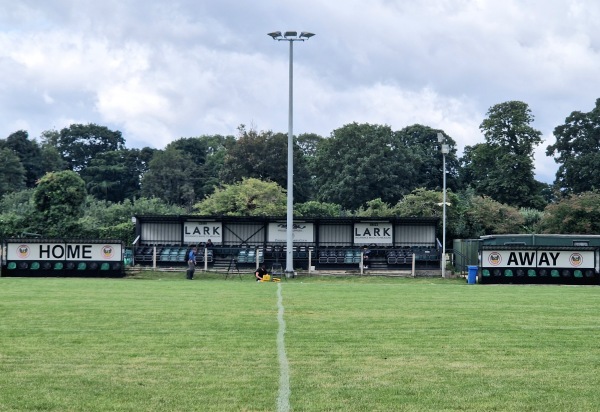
x=303, y=232
x=379, y=233
x=200, y=232
x=110, y=252
x=538, y=259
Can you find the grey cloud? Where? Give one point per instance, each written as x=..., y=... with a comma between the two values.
x=162, y=70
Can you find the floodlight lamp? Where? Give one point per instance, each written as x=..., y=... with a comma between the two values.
x=290, y=34
x=275, y=35
x=440, y=137
x=445, y=149
x=306, y=34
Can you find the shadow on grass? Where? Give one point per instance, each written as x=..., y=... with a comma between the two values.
x=200, y=276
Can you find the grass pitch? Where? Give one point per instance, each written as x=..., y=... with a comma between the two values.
x=163, y=343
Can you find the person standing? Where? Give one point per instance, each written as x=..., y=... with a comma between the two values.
x=366, y=255
x=191, y=263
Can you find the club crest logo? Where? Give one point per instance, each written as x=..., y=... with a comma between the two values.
x=23, y=251
x=576, y=259
x=107, y=251
x=495, y=258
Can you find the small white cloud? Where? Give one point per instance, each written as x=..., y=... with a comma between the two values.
x=47, y=98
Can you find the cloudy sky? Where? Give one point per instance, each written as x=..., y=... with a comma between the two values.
x=161, y=70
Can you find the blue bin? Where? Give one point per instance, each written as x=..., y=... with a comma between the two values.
x=472, y=277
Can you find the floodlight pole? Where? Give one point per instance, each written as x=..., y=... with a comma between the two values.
x=445, y=150
x=291, y=37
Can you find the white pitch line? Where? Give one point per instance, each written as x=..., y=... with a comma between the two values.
x=283, y=399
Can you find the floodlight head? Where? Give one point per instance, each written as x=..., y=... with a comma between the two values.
x=275, y=35
x=290, y=34
x=440, y=137
x=445, y=149
x=306, y=35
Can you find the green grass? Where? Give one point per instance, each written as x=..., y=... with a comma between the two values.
x=161, y=343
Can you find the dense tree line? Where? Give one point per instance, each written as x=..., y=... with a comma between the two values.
x=84, y=181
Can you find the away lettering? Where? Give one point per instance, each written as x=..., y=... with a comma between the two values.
x=532, y=259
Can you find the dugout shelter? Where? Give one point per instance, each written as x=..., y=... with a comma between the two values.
x=32, y=257
x=540, y=259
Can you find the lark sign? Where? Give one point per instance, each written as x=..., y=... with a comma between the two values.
x=196, y=232
x=538, y=259
x=379, y=233
x=109, y=252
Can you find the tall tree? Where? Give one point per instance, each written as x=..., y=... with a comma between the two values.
x=508, y=125
x=426, y=157
x=577, y=151
x=193, y=146
x=171, y=176
x=473, y=161
x=198, y=151
x=79, y=143
x=217, y=147
x=59, y=197
x=502, y=167
x=12, y=172
x=51, y=161
x=115, y=175
x=362, y=162
x=264, y=156
x=29, y=154
x=308, y=144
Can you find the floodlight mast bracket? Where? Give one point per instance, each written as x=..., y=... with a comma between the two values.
x=291, y=36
